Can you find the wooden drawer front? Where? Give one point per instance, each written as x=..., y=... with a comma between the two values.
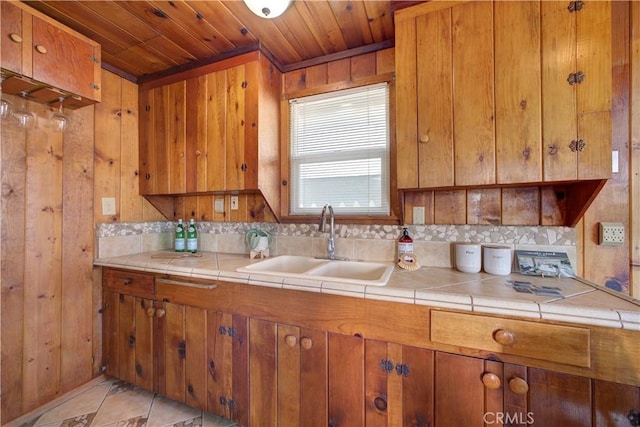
x=129, y=281
x=555, y=343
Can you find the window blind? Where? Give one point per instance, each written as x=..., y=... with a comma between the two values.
x=339, y=152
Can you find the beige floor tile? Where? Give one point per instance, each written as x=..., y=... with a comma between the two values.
x=85, y=403
x=166, y=412
x=123, y=403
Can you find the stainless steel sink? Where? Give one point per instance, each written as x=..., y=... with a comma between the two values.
x=359, y=272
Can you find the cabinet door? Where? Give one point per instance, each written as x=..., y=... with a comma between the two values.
x=217, y=104
x=184, y=339
x=16, y=36
x=615, y=404
x=557, y=399
x=576, y=116
x=445, y=96
x=473, y=94
x=206, y=107
x=468, y=391
x=196, y=134
x=228, y=366
x=110, y=332
x=399, y=385
x=517, y=86
x=434, y=87
x=263, y=373
x=163, y=140
x=128, y=343
x=64, y=61
x=346, y=400
x=302, y=376
x=235, y=142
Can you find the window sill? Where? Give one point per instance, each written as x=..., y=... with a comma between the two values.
x=342, y=219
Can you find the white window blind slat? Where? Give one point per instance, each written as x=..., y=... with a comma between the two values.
x=339, y=152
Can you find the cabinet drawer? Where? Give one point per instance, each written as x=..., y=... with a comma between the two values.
x=554, y=343
x=129, y=281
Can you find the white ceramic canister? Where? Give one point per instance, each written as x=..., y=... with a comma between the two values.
x=497, y=260
x=468, y=257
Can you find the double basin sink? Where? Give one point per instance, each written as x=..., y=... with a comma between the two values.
x=357, y=272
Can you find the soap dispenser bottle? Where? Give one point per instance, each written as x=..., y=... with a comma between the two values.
x=405, y=243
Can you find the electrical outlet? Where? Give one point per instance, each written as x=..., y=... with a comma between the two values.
x=611, y=234
x=234, y=203
x=108, y=206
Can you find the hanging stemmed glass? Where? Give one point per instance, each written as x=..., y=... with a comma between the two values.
x=25, y=117
x=5, y=104
x=58, y=119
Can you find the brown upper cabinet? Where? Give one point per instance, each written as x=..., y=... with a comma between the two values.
x=212, y=129
x=495, y=93
x=39, y=54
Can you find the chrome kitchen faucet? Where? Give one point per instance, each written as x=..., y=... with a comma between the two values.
x=331, y=245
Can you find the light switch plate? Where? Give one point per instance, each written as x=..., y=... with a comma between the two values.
x=108, y=206
x=418, y=214
x=234, y=203
x=218, y=205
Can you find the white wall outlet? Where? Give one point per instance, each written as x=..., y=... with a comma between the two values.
x=234, y=203
x=218, y=205
x=615, y=161
x=418, y=214
x=611, y=234
x=108, y=206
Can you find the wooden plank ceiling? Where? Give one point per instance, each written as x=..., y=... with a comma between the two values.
x=145, y=39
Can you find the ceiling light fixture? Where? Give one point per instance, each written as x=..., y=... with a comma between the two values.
x=268, y=8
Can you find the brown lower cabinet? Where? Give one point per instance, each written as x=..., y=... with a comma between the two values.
x=260, y=372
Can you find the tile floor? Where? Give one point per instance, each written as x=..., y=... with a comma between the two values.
x=110, y=402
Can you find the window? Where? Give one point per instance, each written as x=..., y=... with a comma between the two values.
x=339, y=154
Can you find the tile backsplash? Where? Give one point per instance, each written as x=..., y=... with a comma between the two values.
x=433, y=244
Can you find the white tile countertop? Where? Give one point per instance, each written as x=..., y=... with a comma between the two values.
x=580, y=301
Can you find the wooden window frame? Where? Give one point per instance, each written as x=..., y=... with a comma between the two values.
x=394, y=197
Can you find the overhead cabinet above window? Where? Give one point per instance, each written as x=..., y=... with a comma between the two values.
x=46, y=59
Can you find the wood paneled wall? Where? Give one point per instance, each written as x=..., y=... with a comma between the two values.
x=609, y=265
x=48, y=316
x=116, y=153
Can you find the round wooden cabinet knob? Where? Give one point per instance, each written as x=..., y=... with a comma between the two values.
x=518, y=385
x=306, y=343
x=291, y=340
x=151, y=311
x=41, y=49
x=504, y=337
x=491, y=381
x=424, y=138
x=15, y=37
x=160, y=312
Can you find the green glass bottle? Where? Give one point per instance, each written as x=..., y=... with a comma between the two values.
x=179, y=237
x=192, y=237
